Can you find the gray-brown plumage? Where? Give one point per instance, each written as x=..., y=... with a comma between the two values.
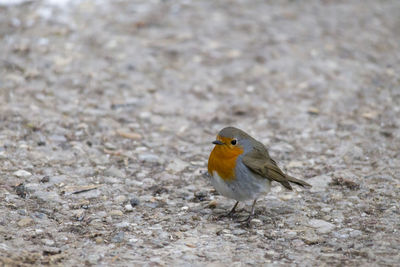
x=257, y=159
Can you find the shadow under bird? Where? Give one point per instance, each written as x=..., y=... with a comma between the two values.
x=241, y=168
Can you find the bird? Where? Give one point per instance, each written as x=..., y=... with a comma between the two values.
x=242, y=169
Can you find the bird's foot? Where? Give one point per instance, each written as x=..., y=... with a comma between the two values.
x=246, y=222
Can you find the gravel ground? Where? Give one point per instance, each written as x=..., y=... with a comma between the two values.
x=108, y=110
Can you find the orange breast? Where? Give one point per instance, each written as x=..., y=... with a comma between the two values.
x=223, y=161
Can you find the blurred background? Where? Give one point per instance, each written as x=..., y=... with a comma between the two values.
x=108, y=108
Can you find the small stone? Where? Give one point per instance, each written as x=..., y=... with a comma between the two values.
x=122, y=225
x=326, y=209
x=120, y=199
x=313, y=111
x=311, y=238
x=48, y=242
x=116, y=213
x=355, y=233
x=99, y=240
x=110, y=146
x=239, y=232
x=294, y=164
x=58, y=138
x=46, y=196
x=151, y=158
x=323, y=227
x=256, y=221
x=40, y=215
x=49, y=250
x=128, y=207
x=177, y=165
x=21, y=212
x=118, y=238
x=134, y=202
x=45, y=179
x=25, y=222
x=282, y=147
x=190, y=245
x=225, y=232
x=291, y=233
x=22, y=174
x=115, y=172
x=93, y=259
x=286, y=197
x=78, y=215
x=21, y=190
x=200, y=195
x=212, y=204
x=319, y=183
x=127, y=134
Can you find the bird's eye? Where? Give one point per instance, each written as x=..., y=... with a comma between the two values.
x=233, y=142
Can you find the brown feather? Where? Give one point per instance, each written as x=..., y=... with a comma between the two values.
x=260, y=162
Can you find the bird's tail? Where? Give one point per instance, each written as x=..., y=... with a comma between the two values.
x=297, y=181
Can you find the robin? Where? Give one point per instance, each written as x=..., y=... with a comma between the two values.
x=242, y=169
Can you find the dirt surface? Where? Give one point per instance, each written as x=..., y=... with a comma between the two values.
x=108, y=110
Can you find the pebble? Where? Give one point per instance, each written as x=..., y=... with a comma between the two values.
x=282, y=147
x=48, y=242
x=58, y=138
x=239, y=231
x=184, y=208
x=40, y=215
x=120, y=199
x=310, y=237
x=256, y=221
x=286, y=197
x=122, y=224
x=294, y=164
x=150, y=158
x=116, y=213
x=326, y=209
x=200, y=195
x=78, y=214
x=115, y=172
x=212, y=204
x=22, y=174
x=93, y=259
x=323, y=227
x=177, y=165
x=118, y=238
x=128, y=207
x=134, y=201
x=25, y=222
x=110, y=146
x=45, y=179
x=319, y=183
x=355, y=233
x=47, y=196
x=21, y=212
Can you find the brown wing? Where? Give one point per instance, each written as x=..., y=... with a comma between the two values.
x=259, y=162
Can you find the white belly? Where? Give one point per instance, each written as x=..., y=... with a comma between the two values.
x=221, y=186
x=249, y=188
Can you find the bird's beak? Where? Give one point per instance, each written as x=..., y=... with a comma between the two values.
x=217, y=142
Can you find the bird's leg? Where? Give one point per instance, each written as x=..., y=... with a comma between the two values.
x=248, y=219
x=233, y=209
x=231, y=212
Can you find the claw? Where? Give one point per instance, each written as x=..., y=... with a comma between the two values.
x=229, y=214
x=248, y=219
